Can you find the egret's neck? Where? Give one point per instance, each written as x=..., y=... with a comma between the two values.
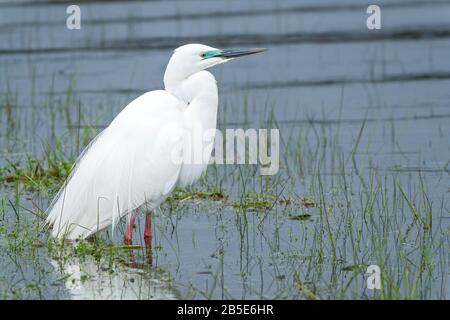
x=187, y=88
x=199, y=93
x=173, y=81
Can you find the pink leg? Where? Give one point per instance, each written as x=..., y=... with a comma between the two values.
x=148, y=237
x=148, y=230
x=128, y=236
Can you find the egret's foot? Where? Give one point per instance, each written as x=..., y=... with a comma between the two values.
x=131, y=263
x=148, y=255
x=148, y=237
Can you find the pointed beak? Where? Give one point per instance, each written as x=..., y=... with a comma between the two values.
x=231, y=53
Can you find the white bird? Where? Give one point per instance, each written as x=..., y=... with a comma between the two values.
x=143, y=154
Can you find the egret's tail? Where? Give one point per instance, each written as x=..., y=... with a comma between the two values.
x=89, y=199
x=67, y=211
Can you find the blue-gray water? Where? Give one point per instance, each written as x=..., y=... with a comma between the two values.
x=323, y=67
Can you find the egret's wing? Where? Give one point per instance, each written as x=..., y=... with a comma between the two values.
x=132, y=162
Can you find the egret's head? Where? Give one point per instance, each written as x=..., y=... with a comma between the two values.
x=192, y=58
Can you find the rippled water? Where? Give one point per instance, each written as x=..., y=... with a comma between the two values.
x=323, y=70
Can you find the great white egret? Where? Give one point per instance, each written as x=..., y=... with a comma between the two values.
x=131, y=162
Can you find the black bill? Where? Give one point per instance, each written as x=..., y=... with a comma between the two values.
x=228, y=54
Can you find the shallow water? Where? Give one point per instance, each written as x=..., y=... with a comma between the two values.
x=323, y=76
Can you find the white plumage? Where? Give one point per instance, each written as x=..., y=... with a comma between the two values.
x=144, y=153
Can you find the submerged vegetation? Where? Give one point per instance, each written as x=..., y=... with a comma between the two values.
x=36, y=174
